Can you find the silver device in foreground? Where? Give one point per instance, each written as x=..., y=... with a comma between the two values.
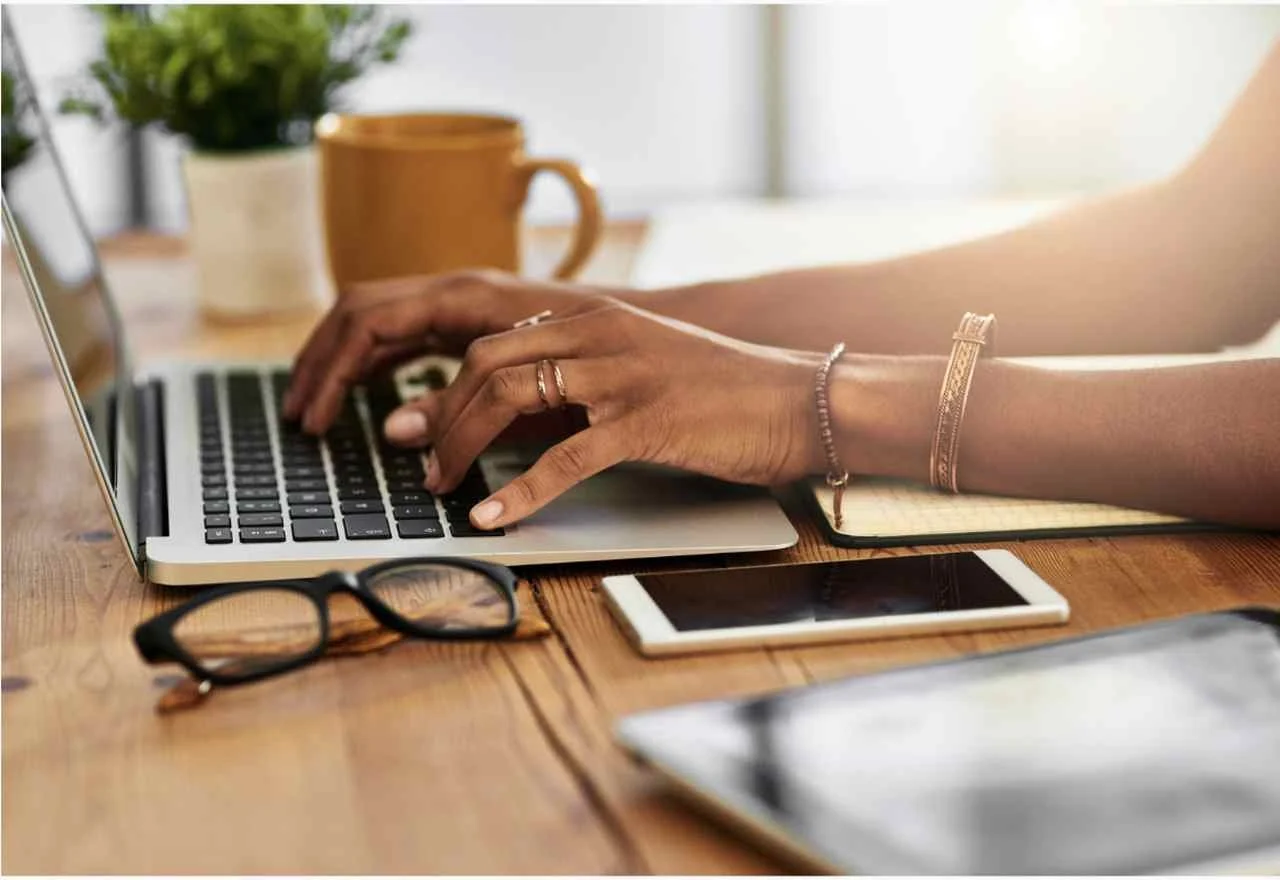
x=206, y=484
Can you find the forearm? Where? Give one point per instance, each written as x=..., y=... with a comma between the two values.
x=1201, y=441
x=1188, y=264
x=1143, y=271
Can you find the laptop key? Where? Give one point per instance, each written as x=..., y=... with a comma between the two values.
x=415, y=511
x=368, y=505
x=250, y=480
x=217, y=521
x=405, y=485
x=216, y=506
x=420, y=528
x=422, y=496
x=311, y=511
x=315, y=530
x=358, y=493
x=308, y=498
x=217, y=536
x=366, y=526
x=215, y=493
x=470, y=531
x=260, y=519
x=306, y=485
x=243, y=507
x=261, y=535
x=303, y=473
x=252, y=494
x=247, y=468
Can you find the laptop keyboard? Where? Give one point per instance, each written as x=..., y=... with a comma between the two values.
x=266, y=481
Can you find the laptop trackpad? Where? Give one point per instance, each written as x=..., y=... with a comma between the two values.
x=637, y=491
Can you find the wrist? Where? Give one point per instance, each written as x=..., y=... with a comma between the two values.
x=883, y=413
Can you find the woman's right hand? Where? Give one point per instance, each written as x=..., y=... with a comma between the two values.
x=377, y=324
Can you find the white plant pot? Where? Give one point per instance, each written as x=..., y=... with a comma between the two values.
x=255, y=231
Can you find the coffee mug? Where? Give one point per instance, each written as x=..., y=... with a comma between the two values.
x=425, y=193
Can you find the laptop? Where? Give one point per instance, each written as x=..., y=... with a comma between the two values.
x=206, y=483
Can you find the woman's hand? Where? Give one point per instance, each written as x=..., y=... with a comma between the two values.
x=654, y=390
x=379, y=323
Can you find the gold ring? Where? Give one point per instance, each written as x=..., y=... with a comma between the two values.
x=559, y=376
x=532, y=320
x=542, y=385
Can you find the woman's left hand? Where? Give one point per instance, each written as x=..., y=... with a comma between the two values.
x=654, y=390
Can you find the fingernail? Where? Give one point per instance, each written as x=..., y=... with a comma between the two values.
x=433, y=470
x=486, y=512
x=406, y=425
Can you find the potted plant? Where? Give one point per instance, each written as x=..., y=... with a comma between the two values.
x=243, y=84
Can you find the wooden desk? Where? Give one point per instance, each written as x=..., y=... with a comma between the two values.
x=488, y=758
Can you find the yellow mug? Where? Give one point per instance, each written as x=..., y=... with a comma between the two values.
x=422, y=193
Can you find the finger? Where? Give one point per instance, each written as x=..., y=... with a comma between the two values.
x=389, y=355
x=408, y=424
x=448, y=304
x=395, y=324
x=412, y=423
x=320, y=343
x=575, y=336
x=559, y=469
x=508, y=393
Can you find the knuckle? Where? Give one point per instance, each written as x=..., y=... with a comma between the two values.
x=479, y=354
x=568, y=459
x=524, y=491
x=470, y=279
x=503, y=387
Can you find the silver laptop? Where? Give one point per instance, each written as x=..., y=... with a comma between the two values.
x=206, y=484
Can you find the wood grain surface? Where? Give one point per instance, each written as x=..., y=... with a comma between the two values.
x=422, y=758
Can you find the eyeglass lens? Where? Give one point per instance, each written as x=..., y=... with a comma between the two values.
x=251, y=631
x=442, y=597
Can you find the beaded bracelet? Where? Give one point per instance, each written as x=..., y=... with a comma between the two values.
x=976, y=332
x=837, y=476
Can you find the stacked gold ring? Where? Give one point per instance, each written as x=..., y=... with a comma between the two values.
x=542, y=385
x=540, y=370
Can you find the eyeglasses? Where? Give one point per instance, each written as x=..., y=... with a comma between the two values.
x=247, y=632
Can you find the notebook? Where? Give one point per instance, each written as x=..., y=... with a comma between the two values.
x=881, y=512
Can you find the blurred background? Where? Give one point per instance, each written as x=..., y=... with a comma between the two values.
x=672, y=105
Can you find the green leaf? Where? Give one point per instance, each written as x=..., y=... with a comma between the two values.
x=233, y=77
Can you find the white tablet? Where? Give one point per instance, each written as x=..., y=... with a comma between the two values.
x=720, y=609
x=1154, y=749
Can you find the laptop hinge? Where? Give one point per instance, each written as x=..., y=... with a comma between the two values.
x=153, y=506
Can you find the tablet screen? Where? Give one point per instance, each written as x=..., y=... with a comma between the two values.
x=1144, y=750
x=761, y=596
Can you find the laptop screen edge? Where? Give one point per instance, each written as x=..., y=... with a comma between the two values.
x=121, y=496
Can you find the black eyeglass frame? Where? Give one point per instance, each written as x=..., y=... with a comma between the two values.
x=156, y=642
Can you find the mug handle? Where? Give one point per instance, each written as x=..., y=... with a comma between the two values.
x=590, y=222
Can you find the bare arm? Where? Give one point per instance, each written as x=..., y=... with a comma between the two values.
x=1188, y=264
x=1200, y=441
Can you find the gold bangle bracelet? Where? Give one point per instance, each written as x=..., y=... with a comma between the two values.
x=976, y=333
